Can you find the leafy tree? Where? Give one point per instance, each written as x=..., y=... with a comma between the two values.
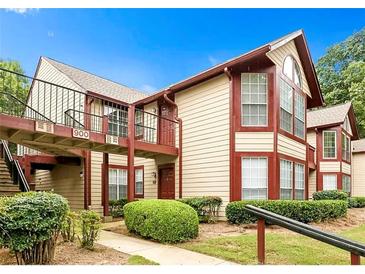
x=341, y=73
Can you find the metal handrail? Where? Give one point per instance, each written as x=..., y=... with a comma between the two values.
x=357, y=249
x=16, y=172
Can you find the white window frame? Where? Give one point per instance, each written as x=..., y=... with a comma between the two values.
x=349, y=181
x=118, y=171
x=256, y=104
x=291, y=112
x=347, y=151
x=137, y=181
x=291, y=178
x=243, y=181
x=296, y=117
x=323, y=133
x=324, y=181
x=295, y=181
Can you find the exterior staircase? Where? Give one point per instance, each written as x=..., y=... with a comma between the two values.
x=7, y=188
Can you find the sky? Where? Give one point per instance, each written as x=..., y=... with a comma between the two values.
x=149, y=49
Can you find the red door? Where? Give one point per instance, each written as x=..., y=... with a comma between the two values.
x=166, y=183
x=166, y=134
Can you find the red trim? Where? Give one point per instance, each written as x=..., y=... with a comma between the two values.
x=131, y=147
x=105, y=184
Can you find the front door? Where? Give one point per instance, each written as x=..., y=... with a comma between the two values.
x=166, y=182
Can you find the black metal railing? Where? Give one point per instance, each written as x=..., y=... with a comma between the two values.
x=356, y=249
x=15, y=170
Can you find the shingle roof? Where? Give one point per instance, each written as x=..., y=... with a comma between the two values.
x=327, y=115
x=358, y=145
x=96, y=84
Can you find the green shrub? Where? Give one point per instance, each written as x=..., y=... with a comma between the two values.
x=356, y=202
x=116, y=207
x=166, y=221
x=68, y=229
x=90, y=223
x=30, y=224
x=303, y=211
x=330, y=195
x=206, y=207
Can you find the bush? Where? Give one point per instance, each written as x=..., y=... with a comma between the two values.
x=303, y=211
x=356, y=202
x=30, y=224
x=330, y=195
x=166, y=221
x=68, y=231
x=116, y=207
x=90, y=222
x=206, y=207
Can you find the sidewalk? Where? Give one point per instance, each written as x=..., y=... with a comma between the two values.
x=162, y=254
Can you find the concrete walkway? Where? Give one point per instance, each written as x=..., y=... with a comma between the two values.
x=162, y=254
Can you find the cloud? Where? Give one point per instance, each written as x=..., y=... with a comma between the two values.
x=50, y=34
x=147, y=88
x=21, y=10
x=213, y=61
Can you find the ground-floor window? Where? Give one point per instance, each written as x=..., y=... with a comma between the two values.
x=254, y=178
x=346, y=183
x=286, y=180
x=299, y=181
x=329, y=182
x=118, y=181
x=139, y=181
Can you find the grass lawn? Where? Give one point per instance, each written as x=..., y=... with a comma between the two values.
x=139, y=260
x=281, y=248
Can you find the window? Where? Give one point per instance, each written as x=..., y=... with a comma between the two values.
x=118, y=120
x=346, y=125
x=139, y=123
x=254, y=99
x=299, y=181
x=117, y=184
x=254, y=178
x=292, y=71
x=329, y=144
x=346, y=183
x=330, y=182
x=139, y=181
x=286, y=180
x=299, y=115
x=286, y=106
x=346, y=144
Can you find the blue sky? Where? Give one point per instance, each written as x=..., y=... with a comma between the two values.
x=149, y=49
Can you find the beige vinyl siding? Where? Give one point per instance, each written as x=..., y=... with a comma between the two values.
x=204, y=110
x=278, y=55
x=330, y=166
x=96, y=182
x=312, y=183
x=312, y=138
x=254, y=141
x=346, y=168
x=358, y=175
x=64, y=180
x=291, y=147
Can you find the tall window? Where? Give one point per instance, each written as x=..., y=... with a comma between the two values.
x=299, y=181
x=254, y=99
x=117, y=184
x=346, y=183
x=118, y=120
x=286, y=180
x=330, y=182
x=286, y=106
x=346, y=125
x=299, y=115
x=139, y=181
x=329, y=144
x=346, y=147
x=292, y=71
x=254, y=178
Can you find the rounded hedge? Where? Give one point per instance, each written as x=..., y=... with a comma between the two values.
x=165, y=221
x=303, y=211
x=330, y=195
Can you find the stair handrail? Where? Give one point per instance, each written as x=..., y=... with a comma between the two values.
x=16, y=171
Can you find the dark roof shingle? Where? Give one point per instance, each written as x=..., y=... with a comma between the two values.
x=327, y=115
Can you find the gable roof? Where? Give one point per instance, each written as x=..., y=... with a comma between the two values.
x=332, y=116
x=358, y=146
x=303, y=51
x=96, y=84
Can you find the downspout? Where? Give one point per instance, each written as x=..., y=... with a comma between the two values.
x=168, y=100
x=228, y=73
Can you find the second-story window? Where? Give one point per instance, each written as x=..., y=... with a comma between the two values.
x=299, y=115
x=346, y=143
x=329, y=144
x=286, y=106
x=254, y=99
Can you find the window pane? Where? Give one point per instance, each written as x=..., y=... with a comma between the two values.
x=286, y=179
x=139, y=181
x=288, y=67
x=297, y=75
x=254, y=178
x=286, y=106
x=329, y=182
x=254, y=99
x=329, y=144
x=346, y=183
x=299, y=181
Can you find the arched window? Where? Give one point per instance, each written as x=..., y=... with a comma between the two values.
x=292, y=71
